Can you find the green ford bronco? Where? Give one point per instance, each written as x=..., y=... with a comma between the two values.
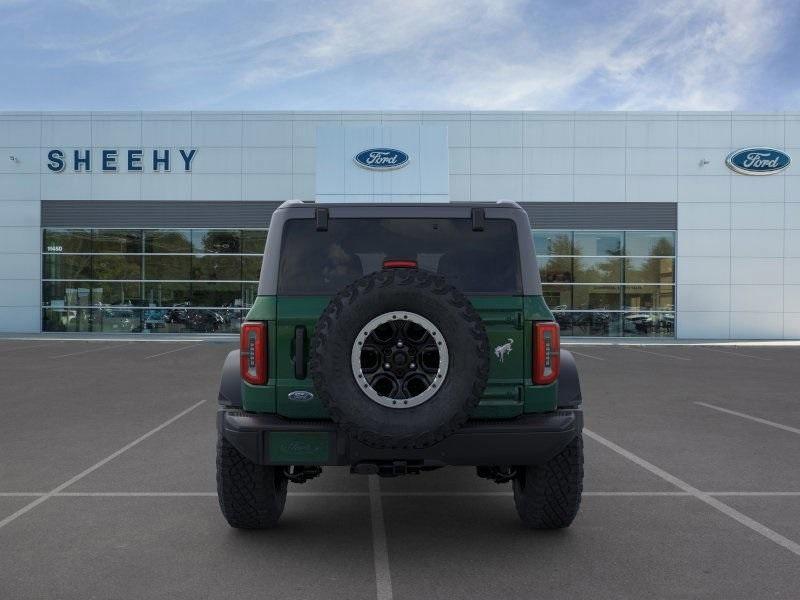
x=394, y=339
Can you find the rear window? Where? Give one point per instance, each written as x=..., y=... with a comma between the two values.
x=323, y=262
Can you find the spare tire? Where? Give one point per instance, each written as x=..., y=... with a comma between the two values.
x=400, y=358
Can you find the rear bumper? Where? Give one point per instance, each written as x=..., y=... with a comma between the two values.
x=526, y=440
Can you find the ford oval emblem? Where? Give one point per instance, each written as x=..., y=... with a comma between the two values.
x=758, y=161
x=301, y=396
x=381, y=159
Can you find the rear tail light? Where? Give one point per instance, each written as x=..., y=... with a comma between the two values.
x=545, y=353
x=253, y=353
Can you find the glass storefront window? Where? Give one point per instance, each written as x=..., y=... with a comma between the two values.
x=226, y=241
x=598, y=243
x=595, y=324
x=558, y=297
x=67, y=240
x=253, y=241
x=67, y=266
x=650, y=243
x=596, y=297
x=105, y=266
x=138, y=320
x=164, y=294
x=649, y=297
x=598, y=270
x=91, y=293
x=609, y=283
x=555, y=269
x=644, y=324
x=549, y=243
x=650, y=270
x=118, y=241
x=165, y=280
x=168, y=241
x=222, y=294
x=597, y=283
x=216, y=267
x=251, y=268
x=162, y=266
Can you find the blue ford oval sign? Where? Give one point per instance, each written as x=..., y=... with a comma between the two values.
x=758, y=161
x=381, y=159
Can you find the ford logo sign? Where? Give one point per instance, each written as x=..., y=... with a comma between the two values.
x=381, y=159
x=758, y=161
x=300, y=396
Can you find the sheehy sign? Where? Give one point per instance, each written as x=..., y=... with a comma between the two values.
x=113, y=160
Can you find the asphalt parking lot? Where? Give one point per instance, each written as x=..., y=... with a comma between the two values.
x=107, y=489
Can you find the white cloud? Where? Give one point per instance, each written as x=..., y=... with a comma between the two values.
x=460, y=54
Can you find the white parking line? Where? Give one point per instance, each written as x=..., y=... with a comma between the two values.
x=90, y=350
x=750, y=417
x=171, y=351
x=734, y=514
x=31, y=505
x=587, y=355
x=741, y=354
x=657, y=353
x=380, y=551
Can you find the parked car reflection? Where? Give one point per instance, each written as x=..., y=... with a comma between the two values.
x=201, y=320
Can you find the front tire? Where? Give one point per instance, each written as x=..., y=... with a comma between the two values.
x=548, y=496
x=251, y=496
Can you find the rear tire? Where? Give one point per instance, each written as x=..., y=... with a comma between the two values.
x=548, y=496
x=251, y=496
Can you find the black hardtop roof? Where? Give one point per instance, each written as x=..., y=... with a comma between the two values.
x=296, y=209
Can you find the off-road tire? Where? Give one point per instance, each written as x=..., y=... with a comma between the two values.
x=548, y=496
x=251, y=496
x=429, y=295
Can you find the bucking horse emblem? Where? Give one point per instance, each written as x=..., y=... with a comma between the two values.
x=503, y=350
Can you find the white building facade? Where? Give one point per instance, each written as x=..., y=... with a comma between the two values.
x=154, y=222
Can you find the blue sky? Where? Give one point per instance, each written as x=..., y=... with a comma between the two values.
x=400, y=54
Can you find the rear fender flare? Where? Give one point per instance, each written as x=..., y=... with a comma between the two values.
x=569, y=385
x=230, y=386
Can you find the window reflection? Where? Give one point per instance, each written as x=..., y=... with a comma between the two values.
x=67, y=240
x=168, y=240
x=650, y=270
x=608, y=282
x=598, y=243
x=67, y=266
x=176, y=267
x=558, y=297
x=552, y=242
x=165, y=280
x=596, y=297
x=122, y=241
x=650, y=243
x=213, y=266
x=598, y=270
x=597, y=283
x=649, y=297
x=116, y=267
x=557, y=269
x=226, y=241
x=253, y=241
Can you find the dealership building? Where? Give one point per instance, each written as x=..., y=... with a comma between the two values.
x=647, y=225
